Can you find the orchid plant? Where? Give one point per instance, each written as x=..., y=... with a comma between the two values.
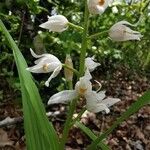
x=46, y=63
x=96, y=101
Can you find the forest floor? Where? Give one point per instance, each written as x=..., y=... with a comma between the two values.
x=132, y=134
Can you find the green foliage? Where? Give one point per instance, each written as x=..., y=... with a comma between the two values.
x=91, y=135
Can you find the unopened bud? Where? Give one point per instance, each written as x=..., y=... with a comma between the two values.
x=68, y=72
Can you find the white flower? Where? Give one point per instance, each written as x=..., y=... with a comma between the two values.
x=44, y=64
x=95, y=102
x=97, y=6
x=56, y=23
x=91, y=64
x=120, y=32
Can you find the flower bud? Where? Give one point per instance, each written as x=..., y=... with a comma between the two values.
x=120, y=32
x=56, y=23
x=68, y=73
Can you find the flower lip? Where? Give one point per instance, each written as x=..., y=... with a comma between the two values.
x=82, y=91
x=90, y=64
x=45, y=67
x=101, y=2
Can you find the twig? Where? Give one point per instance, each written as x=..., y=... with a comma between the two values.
x=11, y=121
x=20, y=35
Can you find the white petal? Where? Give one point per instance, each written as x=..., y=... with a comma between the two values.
x=62, y=97
x=53, y=75
x=95, y=7
x=48, y=59
x=95, y=102
x=101, y=95
x=35, y=55
x=83, y=84
x=87, y=74
x=35, y=69
x=110, y=101
x=124, y=23
x=120, y=32
x=90, y=64
x=56, y=23
x=132, y=35
x=39, y=67
x=92, y=97
x=46, y=25
x=97, y=107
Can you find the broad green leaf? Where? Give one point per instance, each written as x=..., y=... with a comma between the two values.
x=144, y=100
x=88, y=132
x=40, y=134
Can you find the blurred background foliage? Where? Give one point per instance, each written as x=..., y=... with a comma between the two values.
x=22, y=19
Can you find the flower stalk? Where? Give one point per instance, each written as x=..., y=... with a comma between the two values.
x=81, y=72
x=72, y=69
x=67, y=124
x=75, y=26
x=84, y=41
x=97, y=34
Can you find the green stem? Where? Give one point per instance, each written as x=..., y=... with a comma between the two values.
x=75, y=26
x=72, y=69
x=84, y=41
x=97, y=34
x=78, y=117
x=70, y=85
x=81, y=71
x=67, y=124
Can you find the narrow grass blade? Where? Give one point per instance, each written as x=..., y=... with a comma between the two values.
x=144, y=100
x=89, y=133
x=40, y=134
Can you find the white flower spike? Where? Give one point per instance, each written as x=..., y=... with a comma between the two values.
x=120, y=32
x=56, y=23
x=97, y=6
x=46, y=63
x=91, y=64
x=95, y=102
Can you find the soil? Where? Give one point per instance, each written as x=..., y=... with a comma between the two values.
x=132, y=134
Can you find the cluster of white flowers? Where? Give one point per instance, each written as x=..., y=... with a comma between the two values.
x=95, y=101
x=118, y=32
x=46, y=63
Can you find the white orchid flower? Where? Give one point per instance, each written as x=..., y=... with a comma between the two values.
x=95, y=102
x=46, y=63
x=56, y=23
x=98, y=6
x=90, y=64
x=120, y=32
